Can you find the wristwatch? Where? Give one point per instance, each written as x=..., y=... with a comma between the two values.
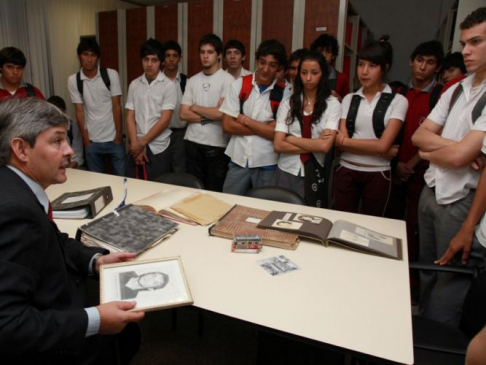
x=94, y=261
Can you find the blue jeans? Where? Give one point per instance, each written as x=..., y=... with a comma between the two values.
x=95, y=157
x=240, y=179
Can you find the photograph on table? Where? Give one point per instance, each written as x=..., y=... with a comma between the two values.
x=154, y=284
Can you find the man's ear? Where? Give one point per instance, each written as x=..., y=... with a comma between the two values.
x=19, y=148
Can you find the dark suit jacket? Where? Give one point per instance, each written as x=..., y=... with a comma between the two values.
x=41, y=290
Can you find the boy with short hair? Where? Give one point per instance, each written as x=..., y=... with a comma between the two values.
x=294, y=60
x=329, y=47
x=252, y=123
x=205, y=142
x=234, y=55
x=96, y=95
x=178, y=127
x=12, y=64
x=152, y=98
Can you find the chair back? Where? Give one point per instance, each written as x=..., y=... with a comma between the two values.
x=180, y=179
x=276, y=194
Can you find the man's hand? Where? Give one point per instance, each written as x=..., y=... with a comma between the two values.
x=462, y=241
x=479, y=163
x=118, y=139
x=114, y=316
x=327, y=133
x=141, y=158
x=136, y=147
x=404, y=171
x=114, y=258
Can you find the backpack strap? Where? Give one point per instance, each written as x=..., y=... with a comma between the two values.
x=245, y=91
x=478, y=108
x=435, y=95
x=455, y=95
x=404, y=90
x=30, y=89
x=352, y=113
x=331, y=83
x=79, y=83
x=105, y=77
x=276, y=96
x=183, y=82
x=379, y=113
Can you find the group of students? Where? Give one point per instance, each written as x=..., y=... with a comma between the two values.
x=410, y=151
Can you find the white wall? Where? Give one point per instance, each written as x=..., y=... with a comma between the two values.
x=407, y=22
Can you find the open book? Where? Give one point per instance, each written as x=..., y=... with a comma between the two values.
x=241, y=219
x=129, y=229
x=185, y=206
x=342, y=232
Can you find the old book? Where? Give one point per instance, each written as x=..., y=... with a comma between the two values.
x=245, y=219
x=81, y=204
x=204, y=209
x=129, y=229
x=342, y=232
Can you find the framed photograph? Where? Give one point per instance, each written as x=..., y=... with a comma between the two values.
x=153, y=284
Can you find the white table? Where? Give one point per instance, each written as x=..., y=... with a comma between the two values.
x=339, y=297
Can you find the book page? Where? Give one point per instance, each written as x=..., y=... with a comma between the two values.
x=163, y=200
x=203, y=208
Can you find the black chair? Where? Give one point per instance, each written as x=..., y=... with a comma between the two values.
x=439, y=343
x=276, y=194
x=180, y=179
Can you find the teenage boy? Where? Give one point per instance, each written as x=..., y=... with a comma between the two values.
x=151, y=100
x=173, y=56
x=12, y=64
x=251, y=122
x=329, y=47
x=234, y=55
x=294, y=61
x=451, y=140
x=453, y=66
x=205, y=141
x=422, y=93
x=96, y=94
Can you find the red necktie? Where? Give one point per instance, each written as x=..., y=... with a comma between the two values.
x=306, y=133
x=49, y=213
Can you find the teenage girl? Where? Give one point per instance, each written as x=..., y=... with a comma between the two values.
x=363, y=174
x=306, y=127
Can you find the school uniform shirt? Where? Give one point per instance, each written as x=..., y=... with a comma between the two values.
x=251, y=151
x=149, y=101
x=454, y=184
x=20, y=93
x=291, y=163
x=481, y=228
x=175, y=120
x=364, y=128
x=207, y=90
x=97, y=103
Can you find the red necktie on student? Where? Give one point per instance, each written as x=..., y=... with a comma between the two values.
x=49, y=213
x=306, y=133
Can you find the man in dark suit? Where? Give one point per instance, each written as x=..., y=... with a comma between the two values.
x=42, y=298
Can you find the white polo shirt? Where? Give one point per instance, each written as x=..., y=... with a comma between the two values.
x=207, y=90
x=175, y=120
x=243, y=72
x=251, y=151
x=364, y=127
x=149, y=101
x=98, y=109
x=454, y=184
x=481, y=228
x=291, y=163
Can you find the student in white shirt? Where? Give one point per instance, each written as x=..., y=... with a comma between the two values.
x=205, y=142
x=234, y=55
x=451, y=140
x=152, y=98
x=364, y=172
x=306, y=127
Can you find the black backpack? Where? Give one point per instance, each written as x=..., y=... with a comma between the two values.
x=183, y=82
x=104, y=76
x=478, y=108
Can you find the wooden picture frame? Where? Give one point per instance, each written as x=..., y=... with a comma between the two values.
x=153, y=284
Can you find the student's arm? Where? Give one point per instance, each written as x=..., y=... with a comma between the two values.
x=457, y=154
x=370, y=146
x=476, y=351
x=281, y=145
x=79, y=112
x=234, y=126
x=322, y=144
x=117, y=117
x=462, y=241
x=135, y=147
x=265, y=130
x=157, y=128
x=212, y=113
x=188, y=115
x=427, y=137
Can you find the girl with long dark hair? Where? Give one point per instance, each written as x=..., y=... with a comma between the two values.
x=305, y=131
x=371, y=120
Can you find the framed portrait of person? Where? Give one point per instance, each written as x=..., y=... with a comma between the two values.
x=153, y=284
